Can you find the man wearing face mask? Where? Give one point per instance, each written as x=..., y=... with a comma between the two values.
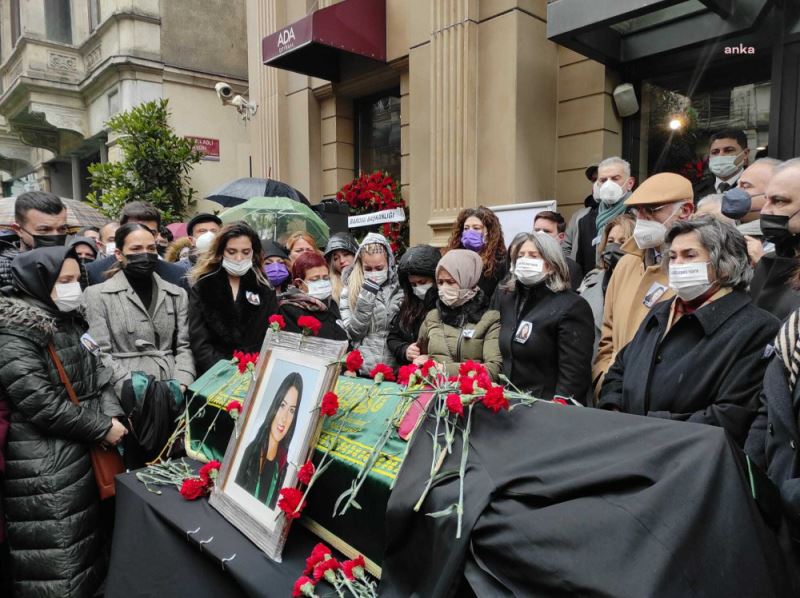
x=771, y=288
x=639, y=281
x=727, y=159
x=40, y=220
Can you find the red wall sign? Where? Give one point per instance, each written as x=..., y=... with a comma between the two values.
x=209, y=147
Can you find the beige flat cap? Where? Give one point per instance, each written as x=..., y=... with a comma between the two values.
x=664, y=187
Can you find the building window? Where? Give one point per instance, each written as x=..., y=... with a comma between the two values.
x=378, y=133
x=58, y=21
x=94, y=14
x=113, y=102
x=16, y=27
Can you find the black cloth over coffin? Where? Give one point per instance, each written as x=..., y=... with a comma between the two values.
x=564, y=501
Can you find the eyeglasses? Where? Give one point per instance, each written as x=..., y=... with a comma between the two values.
x=650, y=211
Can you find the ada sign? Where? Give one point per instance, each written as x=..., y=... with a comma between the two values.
x=382, y=217
x=286, y=39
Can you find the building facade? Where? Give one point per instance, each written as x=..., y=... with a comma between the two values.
x=66, y=66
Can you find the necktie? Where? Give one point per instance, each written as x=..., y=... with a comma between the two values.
x=723, y=187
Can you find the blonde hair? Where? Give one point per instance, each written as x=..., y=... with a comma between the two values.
x=336, y=283
x=296, y=236
x=356, y=278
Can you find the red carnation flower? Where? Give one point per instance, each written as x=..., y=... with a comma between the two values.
x=426, y=367
x=495, y=399
x=234, y=408
x=560, y=401
x=354, y=568
x=354, y=361
x=329, y=405
x=289, y=502
x=209, y=471
x=317, y=556
x=276, y=322
x=309, y=324
x=454, y=404
x=484, y=381
x=471, y=368
x=303, y=587
x=306, y=472
x=193, y=488
x=467, y=385
x=406, y=373
x=382, y=372
x=326, y=569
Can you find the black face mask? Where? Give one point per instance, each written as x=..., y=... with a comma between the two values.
x=776, y=230
x=612, y=254
x=161, y=249
x=140, y=265
x=48, y=240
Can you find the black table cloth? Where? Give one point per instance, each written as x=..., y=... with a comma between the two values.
x=152, y=554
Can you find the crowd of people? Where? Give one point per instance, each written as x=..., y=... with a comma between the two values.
x=653, y=300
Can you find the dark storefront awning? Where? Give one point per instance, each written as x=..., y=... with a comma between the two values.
x=323, y=42
x=623, y=31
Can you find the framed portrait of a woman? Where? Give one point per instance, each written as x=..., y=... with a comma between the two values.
x=275, y=434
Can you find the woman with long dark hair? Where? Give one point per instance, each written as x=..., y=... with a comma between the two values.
x=266, y=458
x=479, y=230
x=230, y=301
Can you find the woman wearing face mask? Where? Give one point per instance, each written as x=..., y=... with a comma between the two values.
x=139, y=320
x=479, y=230
x=416, y=272
x=546, y=329
x=593, y=287
x=230, y=301
x=462, y=327
x=310, y=295
x=50, y=494
x=370, y=298
x=340, y=253
x=700, y=356
x=276, y=266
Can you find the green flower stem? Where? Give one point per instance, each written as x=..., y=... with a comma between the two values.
x=463, y=468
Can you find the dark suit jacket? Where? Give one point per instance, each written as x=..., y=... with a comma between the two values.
x=173, y=272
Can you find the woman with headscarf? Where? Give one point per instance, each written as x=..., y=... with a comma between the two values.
x=85, y=250
x=417, y=273
x=546, y=333
x=50, y=494
x=479, y=230
x=265, y=460
x=461, y=328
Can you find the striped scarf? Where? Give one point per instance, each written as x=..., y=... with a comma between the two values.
x=787, y=346
x=606, y=213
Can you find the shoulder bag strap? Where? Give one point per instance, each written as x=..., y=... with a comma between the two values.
x=62, y=374
x=175, y=329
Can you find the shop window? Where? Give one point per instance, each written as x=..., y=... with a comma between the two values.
x=675, y=128
x=58, y=21
x=16, y=28
x=378, y=133
x=94, y=14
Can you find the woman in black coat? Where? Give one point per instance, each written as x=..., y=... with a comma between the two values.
x=699, y=357
x=50, y=495
x=546, y=329
x=230, y=301
x=416, y=272
x=310, y=295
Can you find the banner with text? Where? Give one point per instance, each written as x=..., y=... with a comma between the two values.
x=382, y=217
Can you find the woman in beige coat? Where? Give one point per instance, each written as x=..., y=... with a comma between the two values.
x=461, y=327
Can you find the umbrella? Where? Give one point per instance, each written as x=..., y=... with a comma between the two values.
x=178, y=229
x=277, y=217
x=239, y=191
x=78, y=213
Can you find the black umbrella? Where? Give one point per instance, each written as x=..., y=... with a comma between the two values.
x=240, y=190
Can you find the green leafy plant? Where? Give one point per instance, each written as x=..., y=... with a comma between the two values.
x=156, y=165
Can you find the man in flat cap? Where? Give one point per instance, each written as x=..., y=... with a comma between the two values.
x=639, y=281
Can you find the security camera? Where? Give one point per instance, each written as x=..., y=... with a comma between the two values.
x=246, y=109
x=224, y=91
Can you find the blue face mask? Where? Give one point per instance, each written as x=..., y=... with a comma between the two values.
x=277, y=273
x=736, y=203
x=472, y=239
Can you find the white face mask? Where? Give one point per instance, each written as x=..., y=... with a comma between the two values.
x=204, y=241
x=68, y=296
x=529, y=270
x=237, y=268
x=378, y=277
x=609, y=192
x=689, y=281
x=724, y=166
x=111, y=247
x=422, y=289
x=319, y=289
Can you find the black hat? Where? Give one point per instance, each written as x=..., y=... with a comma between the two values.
x=341, y=241
x=201, y=217
x=273, y=249
x=591, y=171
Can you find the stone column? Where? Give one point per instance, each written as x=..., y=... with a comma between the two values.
x=75, y=162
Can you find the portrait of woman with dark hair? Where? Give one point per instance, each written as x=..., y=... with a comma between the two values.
x=264, y=464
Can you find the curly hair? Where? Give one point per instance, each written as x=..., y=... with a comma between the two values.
x=495, y=245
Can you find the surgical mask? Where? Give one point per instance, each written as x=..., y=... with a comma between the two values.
x=319, y=289
x=377, y=276
x=111, y=247
x=724, y=166
x=237, y=268
x=609, y=192
x=277, y=273
x=612, y=254
x=161, y=249
x=140, y=265
x=68, y=296
x=529, y=271
x=453, y=296
x=48, y=240
x=736, y=203
x=689, y=281
x=204, y=241
x=472, y=239
x=421, y=290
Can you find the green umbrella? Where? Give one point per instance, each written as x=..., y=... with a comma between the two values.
x=278, y=217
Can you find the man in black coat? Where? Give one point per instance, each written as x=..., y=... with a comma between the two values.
x=727, y=158
x=553, y=224
x=149, y=216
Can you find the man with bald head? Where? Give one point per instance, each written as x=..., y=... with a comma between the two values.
x=772, y=284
